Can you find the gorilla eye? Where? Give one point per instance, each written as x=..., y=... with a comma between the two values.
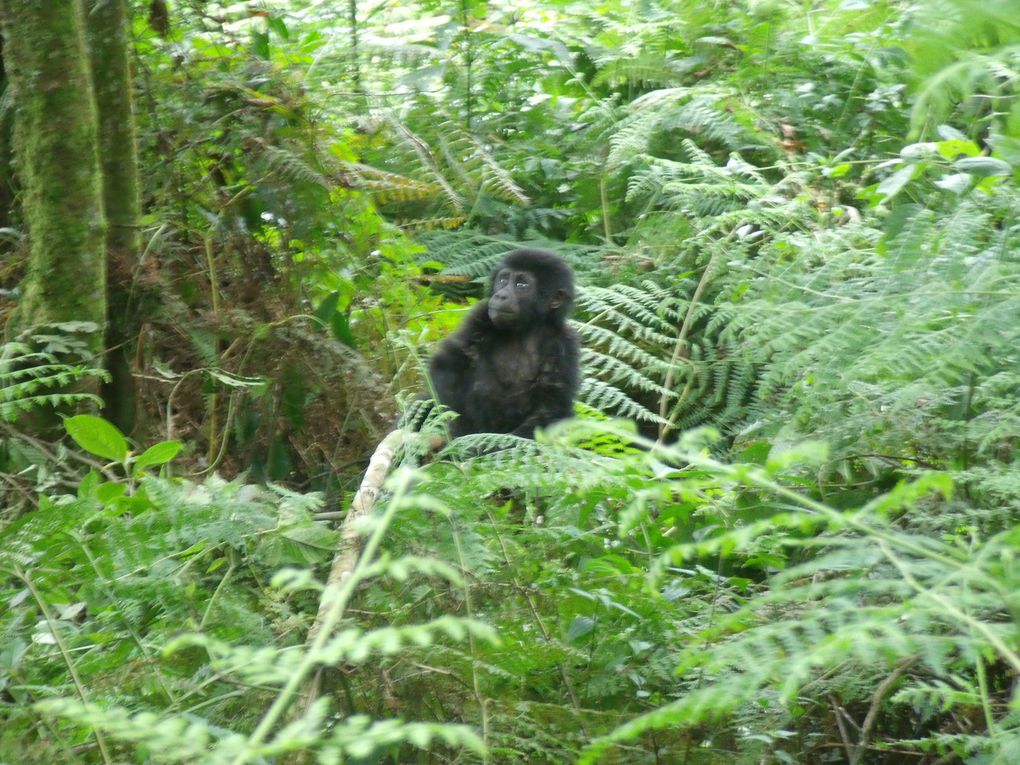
x=522, y=284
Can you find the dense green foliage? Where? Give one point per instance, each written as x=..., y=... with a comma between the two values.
x=784, y=526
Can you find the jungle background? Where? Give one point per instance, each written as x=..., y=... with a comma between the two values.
x=783, y=527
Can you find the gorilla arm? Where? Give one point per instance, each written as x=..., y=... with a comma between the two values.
x=455, y=360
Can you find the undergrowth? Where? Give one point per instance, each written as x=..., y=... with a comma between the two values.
x=625, y=602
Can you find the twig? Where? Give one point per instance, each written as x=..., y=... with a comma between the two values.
x=604, y=198
x=680, y=349
x=838, y=712
x=876, y=703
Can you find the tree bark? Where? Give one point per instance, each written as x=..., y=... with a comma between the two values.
x=55, y=146
x=109, y=52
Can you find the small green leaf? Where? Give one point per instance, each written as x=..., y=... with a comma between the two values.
x=892, y=185
x=277, y=25
x=581, y=626
x=330, y=313
x=108, y=492
x=88, y=486
x=260, y=44
x=838, y=171
x=97, y=436
x=158, y=454
x=949, y=133
x=956, y=183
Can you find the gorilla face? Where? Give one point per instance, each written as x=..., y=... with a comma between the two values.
x=514, y=301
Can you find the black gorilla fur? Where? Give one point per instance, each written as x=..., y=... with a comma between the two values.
x=512, y=365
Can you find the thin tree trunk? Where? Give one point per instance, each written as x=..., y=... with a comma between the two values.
x=355, y=46
x=55, y=144
x=108, y=43
x=6, y=157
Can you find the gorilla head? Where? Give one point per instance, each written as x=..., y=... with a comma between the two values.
x=528, y=287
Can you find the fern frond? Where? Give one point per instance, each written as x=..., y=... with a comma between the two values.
x=387, y=186
x=618, y=346
x=31, y=379
x=644, y=69
x=470, y=253
x=606, y=398
x=702, y=118
x=290, y=166
x=447, y=223
x=612, y=370
x=428, y=164
x=497, y=178
x=631, y=137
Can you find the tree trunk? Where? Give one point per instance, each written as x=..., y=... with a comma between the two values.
x=55, y=146
x=6, y=158
x=108, y=44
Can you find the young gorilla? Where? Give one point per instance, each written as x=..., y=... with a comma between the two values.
x=512, y=365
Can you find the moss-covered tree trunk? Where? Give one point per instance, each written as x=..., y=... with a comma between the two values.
x=6, y=157
x=109, y=45
x=55, y=143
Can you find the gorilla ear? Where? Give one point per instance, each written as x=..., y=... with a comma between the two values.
x=559, y=297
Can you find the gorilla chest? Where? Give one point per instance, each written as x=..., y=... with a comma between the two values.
x=506, y=374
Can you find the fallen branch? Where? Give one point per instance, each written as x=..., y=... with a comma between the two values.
x=351, y=542
x=347, y=570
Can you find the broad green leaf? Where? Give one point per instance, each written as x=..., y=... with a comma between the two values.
x=954, y=148
x=158, y=454
x=983, y=167
x=97, y=436
x=341, y=326
x=297, y=546
x=804, y=452
x=327, y=307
